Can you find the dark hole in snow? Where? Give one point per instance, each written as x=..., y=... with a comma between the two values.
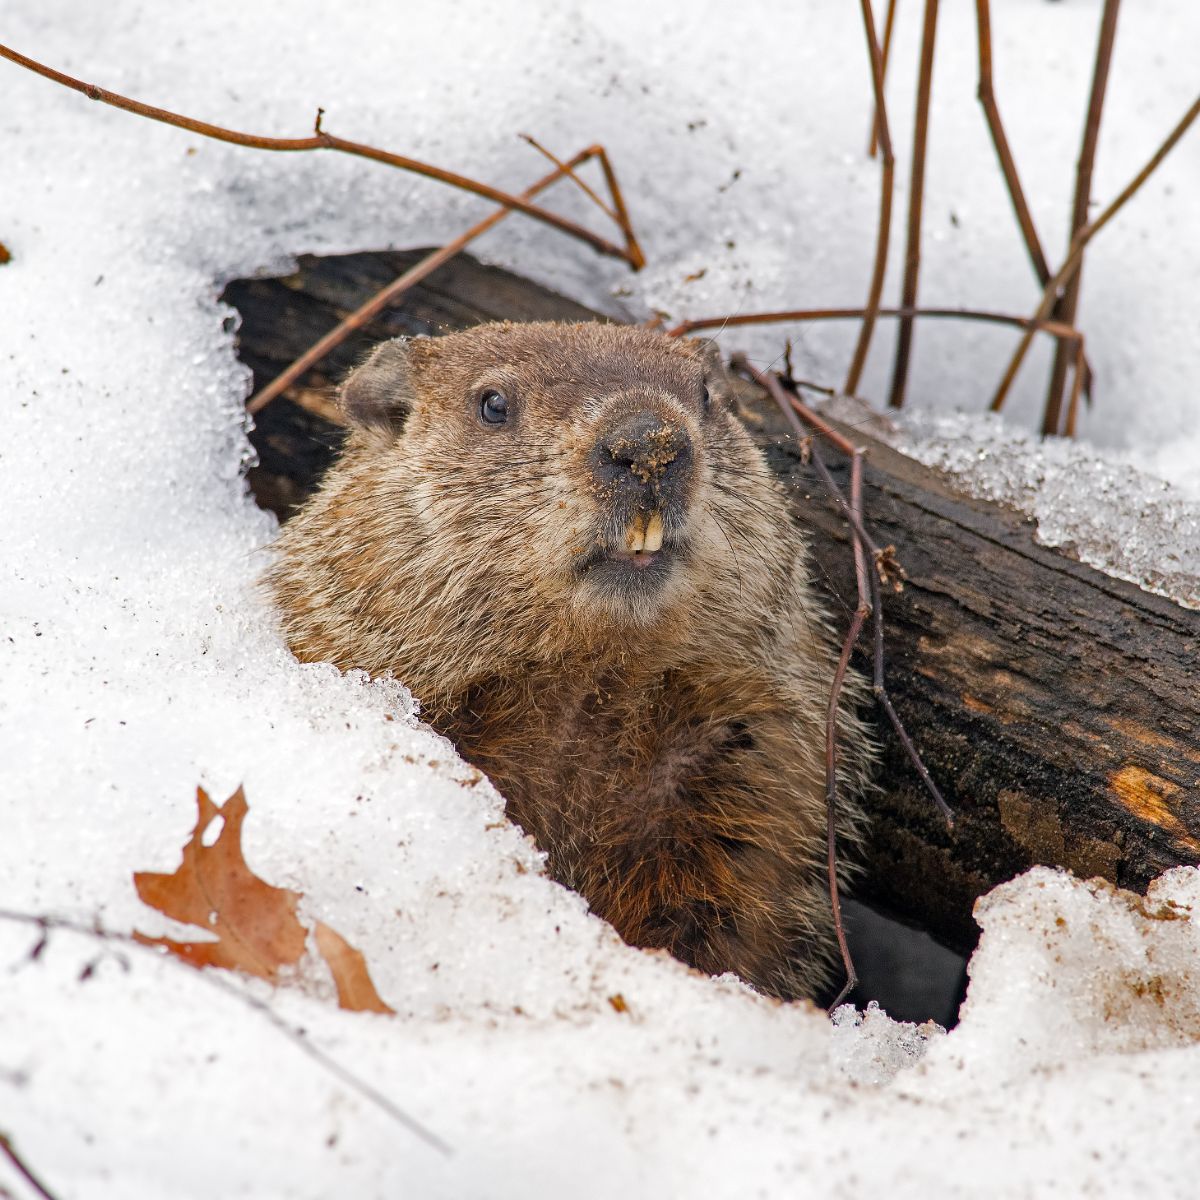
x=911, y=976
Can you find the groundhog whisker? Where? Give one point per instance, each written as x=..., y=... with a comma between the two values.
x=729, y=542
x=738, y=499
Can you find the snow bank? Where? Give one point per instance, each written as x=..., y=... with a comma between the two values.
x=138, y=660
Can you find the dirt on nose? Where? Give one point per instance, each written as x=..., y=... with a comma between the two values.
x=650, y=457
x=645, y=448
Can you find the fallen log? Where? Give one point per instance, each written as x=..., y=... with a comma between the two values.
x=1058, y=709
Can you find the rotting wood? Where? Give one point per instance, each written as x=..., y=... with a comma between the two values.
x=1057, y=708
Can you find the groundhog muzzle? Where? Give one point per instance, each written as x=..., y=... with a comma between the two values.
x=563, y=540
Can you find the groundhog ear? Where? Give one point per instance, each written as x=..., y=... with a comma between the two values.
x=379, y=394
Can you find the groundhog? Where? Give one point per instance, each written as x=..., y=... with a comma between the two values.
x=562, y=539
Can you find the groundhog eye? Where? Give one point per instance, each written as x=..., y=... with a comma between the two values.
x=493, y=407
x=706, y=400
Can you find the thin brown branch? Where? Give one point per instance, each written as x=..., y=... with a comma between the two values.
x=835, y=694
x=861, y=612
x=1080, y=240
x=878, y=686
x=916, y=199
x=1077, y=380
x=1055, y=328
x=389, y=294
x=618, y=214
x=1068, y=303
x=321, y=140
x=298, y=1037
x=886, y=188
x=568, y=169
x=23, y=1168
x=860, y=551
x=1008, y=165
x=870, y=603
x=810, y=418
x=637, y=260
x=888, y=23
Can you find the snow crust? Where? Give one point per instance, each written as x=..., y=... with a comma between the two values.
x=1098, y=506
x=137, y=658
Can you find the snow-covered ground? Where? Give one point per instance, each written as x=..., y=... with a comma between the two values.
x=138, y=660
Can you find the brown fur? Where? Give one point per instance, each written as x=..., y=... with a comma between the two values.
x=663, y=745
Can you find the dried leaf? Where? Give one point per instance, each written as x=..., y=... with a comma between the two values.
x=355, y=990
x=891, y=573
x=256, y=926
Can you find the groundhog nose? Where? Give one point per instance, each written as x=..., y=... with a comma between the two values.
x=645, y=450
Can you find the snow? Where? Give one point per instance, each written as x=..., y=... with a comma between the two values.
x=1100, y=509
x=138, y=658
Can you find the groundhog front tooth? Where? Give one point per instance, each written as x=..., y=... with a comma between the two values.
x=635, y=536
x=654, y=534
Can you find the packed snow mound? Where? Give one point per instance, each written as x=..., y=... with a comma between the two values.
x=1083, y=970
x=1071, y=1069
x=138, y=658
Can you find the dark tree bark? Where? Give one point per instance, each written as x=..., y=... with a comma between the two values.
x=1058, y=709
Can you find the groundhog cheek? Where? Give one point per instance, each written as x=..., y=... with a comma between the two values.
x=564, y=533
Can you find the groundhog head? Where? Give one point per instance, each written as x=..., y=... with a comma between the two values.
x=591, y=468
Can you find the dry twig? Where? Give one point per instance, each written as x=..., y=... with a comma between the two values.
x=23, y=1168
x=1008, y=165
x=1079, y=380
x=1008, y=168
x=1066, y=334
x=46, y=924
x=886, y=189
x=1079, y=241
x=568, y=169
x=916, y=199
x=430, y=263
x=1055, y=328
x=322, y=140
x=888, y=25
x=870, y=603
x=1068, y=303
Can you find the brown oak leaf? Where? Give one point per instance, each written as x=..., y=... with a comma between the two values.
x=255, y=924
x=354, y=987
